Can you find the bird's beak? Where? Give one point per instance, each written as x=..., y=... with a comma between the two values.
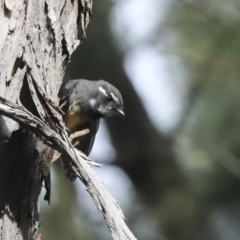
x=121, y=112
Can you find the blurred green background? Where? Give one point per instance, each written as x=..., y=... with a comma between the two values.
x=173, y=162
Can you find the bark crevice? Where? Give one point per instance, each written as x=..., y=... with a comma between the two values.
x=36, y=42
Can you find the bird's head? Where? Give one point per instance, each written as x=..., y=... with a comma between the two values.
x=106, y=100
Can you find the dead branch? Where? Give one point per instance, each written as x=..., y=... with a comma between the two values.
x=105, y=203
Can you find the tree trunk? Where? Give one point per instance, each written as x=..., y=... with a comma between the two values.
x=36, y=41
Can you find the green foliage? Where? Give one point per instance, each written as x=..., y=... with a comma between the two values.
x=208, y=43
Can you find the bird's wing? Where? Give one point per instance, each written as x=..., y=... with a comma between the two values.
x=86, y=142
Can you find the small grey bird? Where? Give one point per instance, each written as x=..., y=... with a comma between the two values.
x=84, y=102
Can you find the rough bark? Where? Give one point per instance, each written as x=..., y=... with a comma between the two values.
x=37, y=38
x=36, y=42
x=105, y=203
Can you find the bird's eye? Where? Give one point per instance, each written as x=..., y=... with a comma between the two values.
x=109, y=98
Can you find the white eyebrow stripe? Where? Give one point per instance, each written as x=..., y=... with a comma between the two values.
x=101, y=89
x=114, y=97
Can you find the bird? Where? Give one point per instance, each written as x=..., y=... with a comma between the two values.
x=84, y=103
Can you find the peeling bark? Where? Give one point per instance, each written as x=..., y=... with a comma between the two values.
x=36, y=42
x=76, y=160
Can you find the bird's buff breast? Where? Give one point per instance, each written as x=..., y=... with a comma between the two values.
x=72, y=121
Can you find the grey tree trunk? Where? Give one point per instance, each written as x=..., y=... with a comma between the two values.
x=36, y=41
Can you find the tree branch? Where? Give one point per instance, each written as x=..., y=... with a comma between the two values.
x=105, y=203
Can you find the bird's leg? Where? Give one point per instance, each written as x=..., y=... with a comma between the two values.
x=72, y=136
x=78, y=134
